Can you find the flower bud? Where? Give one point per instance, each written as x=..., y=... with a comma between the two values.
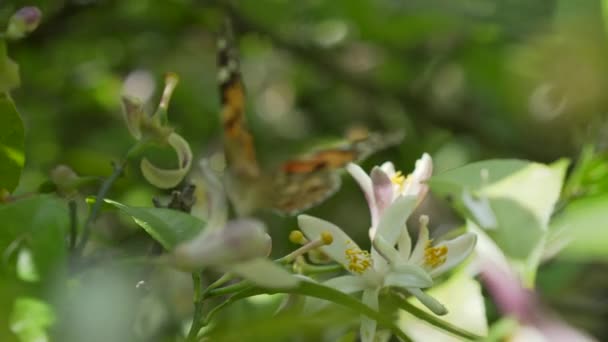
x=240, y=240
x=133, y=109
x=23, y=22
x=65, y=179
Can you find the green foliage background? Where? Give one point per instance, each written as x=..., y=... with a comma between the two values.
x=466, y=80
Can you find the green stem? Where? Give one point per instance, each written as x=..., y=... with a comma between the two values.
x=433, y=320
x=73, y=223
x=228, y=289
x=198, y=308
x=101, y=194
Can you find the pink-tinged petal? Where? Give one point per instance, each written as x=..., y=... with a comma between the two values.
x=417, y=256
x=343, y=249
x=393, y=219
x=264, y=273
x=458, y=250
x=428, y=301
x=383, y=190
x=365, y=183
x=368, y=325
x=163, y=178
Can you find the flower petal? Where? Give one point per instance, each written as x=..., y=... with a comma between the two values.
x=265, y=273
x=368, y=325
x=383, y=190
x=347, y=284
x=428, y=301
x=365, y=183
x=423, y=240
x=340, y=247
x=163, y=178
x=458, y=250
x=416, y=185
x=405, y=243
x=133, y=109
x=406, y=276
x=394, y=217
x=216, y=197
x=388, y=168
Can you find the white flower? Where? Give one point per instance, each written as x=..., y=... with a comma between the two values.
x=385, y=185
x=405, y=268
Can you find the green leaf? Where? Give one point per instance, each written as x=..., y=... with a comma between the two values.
x=12, y=156
x=9, y=70
x=41, y=223
x=584, y=222
x=167, y=226
x=521, y=196
x=30, y=319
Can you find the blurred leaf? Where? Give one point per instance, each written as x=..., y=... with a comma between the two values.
x=30, y=319
x=167, y=226
x=521, y=196
x=584, y=221
x=9, y=70
x=462, y=296
x=11, y=143
x=41, y=223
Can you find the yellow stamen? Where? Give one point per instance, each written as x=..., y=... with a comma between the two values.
x=358, y=260
x=297, y=237
x=327, y=238
x=435, y=256
x=398, y=178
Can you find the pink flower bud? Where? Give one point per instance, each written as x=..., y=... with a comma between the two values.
x=23, y=22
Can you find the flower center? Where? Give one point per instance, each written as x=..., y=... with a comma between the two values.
x=435, y=256
x=358, y=260
x=398, y=178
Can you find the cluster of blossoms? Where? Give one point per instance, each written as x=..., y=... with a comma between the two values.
x=392, y=197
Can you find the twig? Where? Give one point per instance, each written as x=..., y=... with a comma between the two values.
x=101, y=194
x=73, y=223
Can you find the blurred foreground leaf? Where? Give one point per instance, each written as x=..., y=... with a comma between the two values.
x=40, y=223
x=30, y=319
x=584, y=221
x=11, y=144
x=520, y=195
x=9, y=70
x=167, y=226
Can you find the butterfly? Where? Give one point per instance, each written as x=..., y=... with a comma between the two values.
x=296, y=184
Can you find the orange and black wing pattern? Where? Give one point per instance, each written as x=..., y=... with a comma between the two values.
x=238, y=141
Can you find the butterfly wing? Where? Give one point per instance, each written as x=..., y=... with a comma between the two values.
x=238, y=142
x=304, y=182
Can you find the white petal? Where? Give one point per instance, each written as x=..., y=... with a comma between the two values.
x=265, y=273
x=365, y=183
x=347, y=284
x=368, y=325
x=458, y=250
x=481, y=210
x=163, y=178
x=405, y=243
x=423, y=240
x=313, y=228
x=215, y=195
x=406, y=276
x=383, y=190
x=394, y=217
x=389, y=168
x=416, y=185
x=428, y=301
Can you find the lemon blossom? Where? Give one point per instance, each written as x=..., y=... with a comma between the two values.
x=384, y=185
x=404, y=268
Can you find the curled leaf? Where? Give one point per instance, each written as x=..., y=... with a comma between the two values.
x=164, y=178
